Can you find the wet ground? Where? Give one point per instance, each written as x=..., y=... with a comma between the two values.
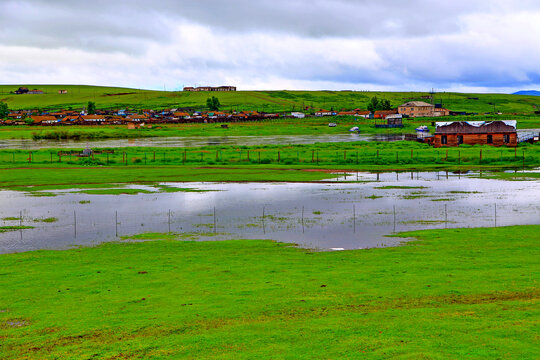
x=194, y=141
x=324, y=216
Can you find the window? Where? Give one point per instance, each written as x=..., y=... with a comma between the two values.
x=506, y=138
x=444, y=141
x=490, y=139
x=460, y=139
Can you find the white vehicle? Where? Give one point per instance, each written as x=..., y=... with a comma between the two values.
x=332, y=125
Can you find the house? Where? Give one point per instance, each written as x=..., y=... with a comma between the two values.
x=93, y=119
x=383, y=114
x=62, y=91
x=21, y=90
x=440, y=111
x=35, y=92
x=210, y=88
x=137, y=118
x=43, y=120
x=394, y=119
x=181, y=114
x=323, y=112
x=455, y=133
x=416, y=109
x=298, y=115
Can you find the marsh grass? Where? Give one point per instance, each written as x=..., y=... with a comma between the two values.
x=457, y=293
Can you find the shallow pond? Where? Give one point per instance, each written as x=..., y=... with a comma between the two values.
x=194, y=141
x=314, y=215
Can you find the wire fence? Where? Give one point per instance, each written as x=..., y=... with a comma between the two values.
x=493, y=156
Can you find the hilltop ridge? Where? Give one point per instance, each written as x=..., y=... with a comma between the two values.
x=77, y=96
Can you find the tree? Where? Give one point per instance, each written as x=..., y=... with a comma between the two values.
x=91, y=107
x=4, y=110
x=213, y=103
x=375, y=104
x=385, y=105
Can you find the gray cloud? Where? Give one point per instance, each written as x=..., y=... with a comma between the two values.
x=275, y=43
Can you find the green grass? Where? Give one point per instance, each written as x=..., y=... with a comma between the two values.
x=454, y=294
x=46, y=220
x=114, y=192
x=18, y=168
x=14, y=228
x=268, y=101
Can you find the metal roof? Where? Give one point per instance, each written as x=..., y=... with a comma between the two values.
x=475, y=127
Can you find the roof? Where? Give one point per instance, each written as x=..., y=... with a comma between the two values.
x=93, y=117
x=475, y=127
x=415, y=104
x=38, y=119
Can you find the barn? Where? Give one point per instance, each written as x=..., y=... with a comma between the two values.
x=455, y=133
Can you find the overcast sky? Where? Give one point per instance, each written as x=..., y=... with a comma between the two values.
x=462, y=45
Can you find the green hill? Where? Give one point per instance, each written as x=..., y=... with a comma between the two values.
x=269, y=101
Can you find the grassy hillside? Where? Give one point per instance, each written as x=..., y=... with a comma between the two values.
x=270, y=101
x=454, y=294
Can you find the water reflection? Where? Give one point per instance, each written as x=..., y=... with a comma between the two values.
x=313, y=215
x=194, y=141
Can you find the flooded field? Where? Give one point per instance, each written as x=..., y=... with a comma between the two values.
x=314, y=215
x=193, y=141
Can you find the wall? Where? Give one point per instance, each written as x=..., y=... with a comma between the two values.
x=475, y=139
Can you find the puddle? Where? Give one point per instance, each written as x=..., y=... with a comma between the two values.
x=321, y=216
x=195, y=141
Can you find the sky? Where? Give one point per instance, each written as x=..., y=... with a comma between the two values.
x=383, y=45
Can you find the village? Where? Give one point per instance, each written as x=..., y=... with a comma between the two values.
x=447, y=133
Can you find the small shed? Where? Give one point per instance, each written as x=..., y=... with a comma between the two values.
x=87, y=152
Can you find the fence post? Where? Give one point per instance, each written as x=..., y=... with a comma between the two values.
x=354, y=217
x=278, y=156
x=394, y=218
x=480, y=156
x=445, y=217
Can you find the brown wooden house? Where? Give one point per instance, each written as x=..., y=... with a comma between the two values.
x=496, y=133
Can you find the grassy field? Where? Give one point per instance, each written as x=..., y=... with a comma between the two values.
x=47, y=170
x=307, y=126
x=268, y=101
x=453, y=294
